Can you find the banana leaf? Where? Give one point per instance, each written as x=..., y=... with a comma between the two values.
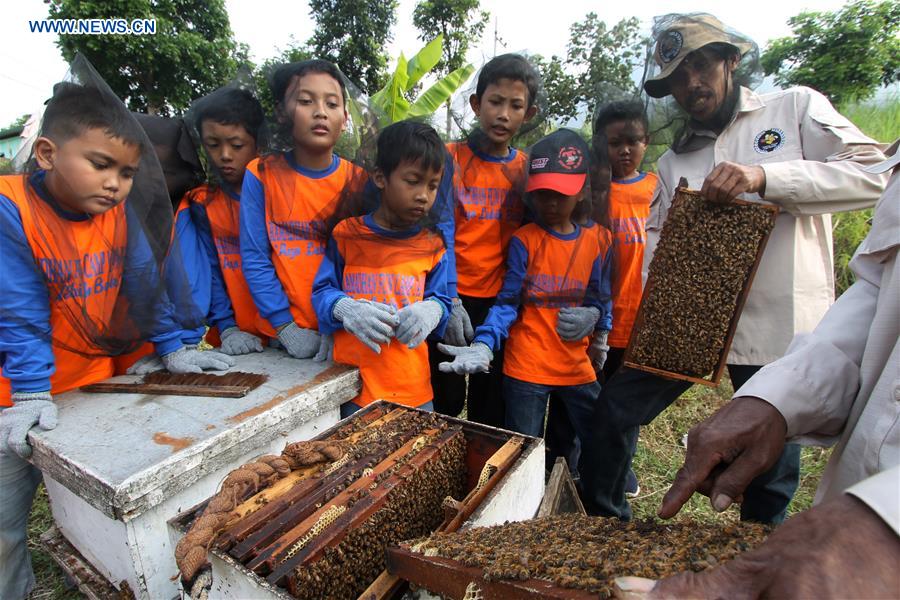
x=424, y=61
x=437, y=94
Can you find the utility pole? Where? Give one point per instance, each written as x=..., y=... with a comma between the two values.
x=497, y=37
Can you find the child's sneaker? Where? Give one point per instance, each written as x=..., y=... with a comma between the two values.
x=632, y=487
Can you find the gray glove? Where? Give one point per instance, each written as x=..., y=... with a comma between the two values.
x=30, y=409
x=372, y=323
x=417, y=321
x=235, y=341
x=188, y=359
x=466, y=359
x=459, y=330
x=146, y=364
x=326, y=349
x=598, y=350
x=299, y=342
x=574, y=323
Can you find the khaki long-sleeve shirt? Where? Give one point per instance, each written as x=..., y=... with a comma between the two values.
x=813, y=159
x=841, y=383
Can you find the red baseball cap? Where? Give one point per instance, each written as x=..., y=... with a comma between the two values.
x=558, y=162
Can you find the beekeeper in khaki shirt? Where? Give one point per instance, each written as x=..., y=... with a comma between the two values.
x=790, y=148
x=838, y=385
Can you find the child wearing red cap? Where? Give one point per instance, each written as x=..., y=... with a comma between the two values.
x=558, y=272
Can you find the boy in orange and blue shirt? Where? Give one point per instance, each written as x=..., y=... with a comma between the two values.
x=228, y=122
x=384, y=275
x=559, y=272
x=488, y=186
x=287, y=201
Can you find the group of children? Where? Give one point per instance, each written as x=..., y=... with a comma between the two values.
x=495, y=253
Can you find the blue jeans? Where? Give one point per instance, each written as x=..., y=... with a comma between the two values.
x=526, y=405
x=349, y=408
x=632, y=398
x=19, y=480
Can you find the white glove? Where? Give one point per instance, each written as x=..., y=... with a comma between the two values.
x=598, y=350
x=466, y=359
x=30, y=409
x=146, y=364
x=188, y=359
x=459, y=330
x=236, y=341
x=372, y=323
x=418, y=320
x=575, y=323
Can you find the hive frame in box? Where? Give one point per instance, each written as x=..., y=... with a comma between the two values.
x=739, y=307
x=516, y=497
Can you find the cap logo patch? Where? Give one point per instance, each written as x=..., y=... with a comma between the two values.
x=669, y=45
x=769, y=140
x=539, y=163
x=570, y=158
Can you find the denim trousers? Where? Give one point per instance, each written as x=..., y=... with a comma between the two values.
x=19, y=480
x=632, y=398
x=526, y=405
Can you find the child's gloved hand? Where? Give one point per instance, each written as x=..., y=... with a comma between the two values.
x=188, y=359
x=372, y=323
x=459, y=330
x=598, y=350
x=466, y=359
x=299, y=342
x=574, y=323
x=30, y=409
x=146, y=364
x=326, y=349
x=235, y=341
x=417, y=320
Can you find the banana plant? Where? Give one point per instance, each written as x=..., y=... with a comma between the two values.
x=391, y=100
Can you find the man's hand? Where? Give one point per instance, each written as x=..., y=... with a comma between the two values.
x=729, y=180
x=29, y=409
x=726, y=452
x=839, y=549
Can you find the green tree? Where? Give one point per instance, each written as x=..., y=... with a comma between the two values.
x=599, y=62
x=192, y=52
x=846, y=54
x=295, y=52
x=353, y=34
x=460, y=23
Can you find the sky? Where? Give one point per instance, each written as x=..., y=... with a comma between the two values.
x=30, y=63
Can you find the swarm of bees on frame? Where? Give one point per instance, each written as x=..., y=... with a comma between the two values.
x=587, y=553
x=325, y=535
x=704, y=258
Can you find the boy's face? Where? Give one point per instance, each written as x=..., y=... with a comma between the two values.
x=90, y=173
x=502, y=110
x=408, y=193
x=626, y=142
x=555, y=209
x=313, y=104
x=230, y=148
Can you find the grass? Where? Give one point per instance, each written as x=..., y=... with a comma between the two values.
x=660, y=455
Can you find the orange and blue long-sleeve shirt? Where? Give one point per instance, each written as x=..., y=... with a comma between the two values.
x=488, y=210
x=59, y=264
x=367, y=262
x=284, y=214
x=629, y=207
x=545, y=272
x=216, y=211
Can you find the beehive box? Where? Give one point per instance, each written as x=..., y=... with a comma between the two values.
x=119, y=466
x=697, y=284
x=321, y=531
x=566, y=556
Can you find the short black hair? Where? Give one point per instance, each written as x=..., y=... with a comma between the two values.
x=409, y=141
x=623, y=110
x=75, y=108
x=509, y=66
x=281, y=78
x=231, y=106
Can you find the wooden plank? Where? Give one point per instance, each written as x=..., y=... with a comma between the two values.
x=159, y=389
x=89, y=582
x=452, y=579
x=561, y=495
